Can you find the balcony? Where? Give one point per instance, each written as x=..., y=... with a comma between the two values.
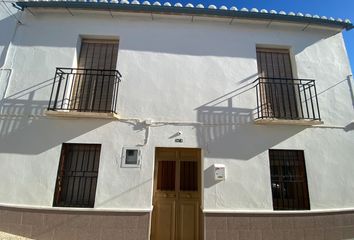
x=287, y=101
x=80, y=92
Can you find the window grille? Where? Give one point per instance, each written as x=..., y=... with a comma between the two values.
x=288, y=180
x=77, y=175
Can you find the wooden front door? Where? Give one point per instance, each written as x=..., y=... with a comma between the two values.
x=177, y=213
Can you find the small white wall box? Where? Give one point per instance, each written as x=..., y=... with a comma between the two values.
x=219, y=172
x=131, y=157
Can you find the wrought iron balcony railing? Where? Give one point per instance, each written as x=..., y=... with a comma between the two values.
x=85, y=90
x=288, y=99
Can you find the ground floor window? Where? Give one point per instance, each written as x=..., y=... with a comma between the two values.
x=77, y=175
x=288, y=180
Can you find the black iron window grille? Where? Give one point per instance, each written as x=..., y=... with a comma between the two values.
x=288, y=180
x=77, y=175
x=85, y=90
x=284, y=98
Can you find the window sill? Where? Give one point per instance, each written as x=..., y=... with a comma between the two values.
x=74, y=114
x=276, y=121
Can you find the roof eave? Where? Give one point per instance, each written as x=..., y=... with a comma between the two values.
x=185, y=10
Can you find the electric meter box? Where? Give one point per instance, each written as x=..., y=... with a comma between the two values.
x=219, y=172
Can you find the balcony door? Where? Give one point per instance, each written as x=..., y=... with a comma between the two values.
x=93, y=88
x=277, y=86
x=176, y=200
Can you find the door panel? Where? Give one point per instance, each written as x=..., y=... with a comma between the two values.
x=177, y=193
x=188, y=220
x=189, y=176
x=166, y=176
x=165, y=219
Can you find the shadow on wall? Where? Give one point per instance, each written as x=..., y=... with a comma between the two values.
x=25, y=130
x=7, y=26
x=349, y=127
x=158, y=35
x=209, y=177
x=230, y=132
x=348, y=80
x=350, y=85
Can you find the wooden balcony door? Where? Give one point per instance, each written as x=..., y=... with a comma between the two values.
x=278, y=89
x=93, y=89
x=176, y=200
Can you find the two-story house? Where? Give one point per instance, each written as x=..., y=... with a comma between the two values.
x=148, y=120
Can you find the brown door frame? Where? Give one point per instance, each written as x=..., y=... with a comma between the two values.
x=200, y=186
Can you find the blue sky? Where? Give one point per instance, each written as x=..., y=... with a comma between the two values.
x=330, y=8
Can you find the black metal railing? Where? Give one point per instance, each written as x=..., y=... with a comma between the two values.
x=285, y=98
x=85, y=90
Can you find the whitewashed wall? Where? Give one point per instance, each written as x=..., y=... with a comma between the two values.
x=180, y=73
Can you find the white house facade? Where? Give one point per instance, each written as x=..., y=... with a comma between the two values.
x=151, y=121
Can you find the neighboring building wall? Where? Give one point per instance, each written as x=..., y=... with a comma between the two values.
x=181, y=74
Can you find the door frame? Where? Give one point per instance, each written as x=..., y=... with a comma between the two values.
x=200, y=185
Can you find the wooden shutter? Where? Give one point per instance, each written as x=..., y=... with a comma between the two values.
x=98, y=54
x=277, y=84
x=274, y=63
x=93, y=89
